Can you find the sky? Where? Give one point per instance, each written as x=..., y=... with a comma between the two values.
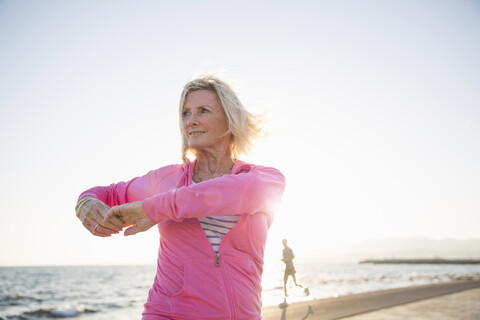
x=373, y=112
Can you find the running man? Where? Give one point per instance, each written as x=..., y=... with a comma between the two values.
x=288, y=257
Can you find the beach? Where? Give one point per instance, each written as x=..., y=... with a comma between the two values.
x=451, y=300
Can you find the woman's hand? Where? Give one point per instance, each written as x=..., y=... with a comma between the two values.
x=131, y=214
x=92, y=212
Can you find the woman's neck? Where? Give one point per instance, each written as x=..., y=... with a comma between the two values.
x=209, y=166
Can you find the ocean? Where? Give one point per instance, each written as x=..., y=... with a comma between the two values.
x=119, y=292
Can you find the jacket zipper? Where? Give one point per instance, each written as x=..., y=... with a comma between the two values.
x=227, y=286
x=217, y=260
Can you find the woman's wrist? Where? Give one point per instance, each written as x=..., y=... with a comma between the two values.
x=81, y=202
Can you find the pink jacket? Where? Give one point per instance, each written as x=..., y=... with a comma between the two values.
x=192, y=282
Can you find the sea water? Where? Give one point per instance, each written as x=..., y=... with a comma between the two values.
x=119, y=292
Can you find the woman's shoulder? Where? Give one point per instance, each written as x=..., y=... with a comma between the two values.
x=242, y=166
x=171, y=169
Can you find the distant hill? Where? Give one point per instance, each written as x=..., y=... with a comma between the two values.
x=403, y=248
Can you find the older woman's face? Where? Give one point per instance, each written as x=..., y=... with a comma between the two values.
x=204, y=122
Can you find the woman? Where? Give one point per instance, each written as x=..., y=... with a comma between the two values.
x=212, y=212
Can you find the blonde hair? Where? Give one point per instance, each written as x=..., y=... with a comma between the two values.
x=244, y=126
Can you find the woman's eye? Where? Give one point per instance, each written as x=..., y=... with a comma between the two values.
x=186, y=113
x=204, y=111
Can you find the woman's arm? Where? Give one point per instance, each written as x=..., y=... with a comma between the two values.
x=258, y=190
x=93, y=205
x=112, y=195
x=135, y=189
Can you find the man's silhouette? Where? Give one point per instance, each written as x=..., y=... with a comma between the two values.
x=288, y=257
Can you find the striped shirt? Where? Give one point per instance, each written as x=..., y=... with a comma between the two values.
x=216, y=227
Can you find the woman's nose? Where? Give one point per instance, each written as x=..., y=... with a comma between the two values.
x=191, y=119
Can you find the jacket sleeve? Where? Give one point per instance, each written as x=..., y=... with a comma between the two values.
x=258, y=190
x=135, y=189
x=114, y=194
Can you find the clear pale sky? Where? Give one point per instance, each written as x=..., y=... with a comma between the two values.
x=374, y=111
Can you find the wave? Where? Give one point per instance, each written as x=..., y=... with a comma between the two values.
x=60, y=312
x=15, y=300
